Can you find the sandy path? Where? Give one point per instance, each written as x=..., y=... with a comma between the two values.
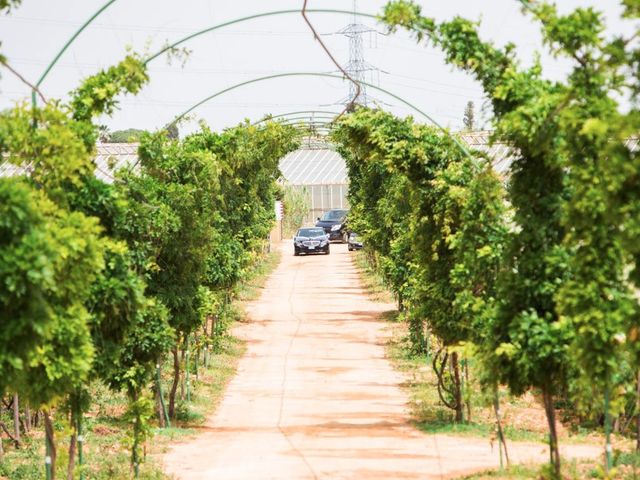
x=314, y=396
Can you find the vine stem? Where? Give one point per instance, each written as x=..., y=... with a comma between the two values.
x=33, y=87
x=502, y=444
x=607, y=427
x=167, y=420
x=349, y=107
x=638, y=410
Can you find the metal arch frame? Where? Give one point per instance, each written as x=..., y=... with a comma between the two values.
x=266, y=118
x=297, y=117
x=297, y=123
x=326, y=120
x=180, y=41
x=303, y=118
x=307, y=127
x=313, y=130
x=67, y=45
x=324, y=126
x=166, y=48
x=320, y=123
x=232, y=22
x=324, y=75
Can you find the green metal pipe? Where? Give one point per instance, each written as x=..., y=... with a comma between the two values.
x=309, y=128
x=323, y=75
x=178, y=42
x=268, y=117
x=66, y=46
x=325, y=125
x=225, y=24
x=318, y=120
x=306, y=126
x=72, y=39
x=244, y=19
x=286, y=115
x=232, y=22
x=311, y=118
x=324, y=122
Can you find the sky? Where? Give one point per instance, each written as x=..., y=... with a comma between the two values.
x=32, y=34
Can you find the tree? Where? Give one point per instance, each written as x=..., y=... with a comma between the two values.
x=185, y=182
x=48, y=263
x=296, y=207
x=376, y=194
x=469, y=117
x=56, y=143
x=6, y=5
x=117, y=303
x=203, y=205
x=172, y=132
x=443, y=217
x=103, y=133
x=45, y=271
x=598, y=301
x=117, y=275
x=130, y=135
x=98, y=93
x=567, y=254
x=530, y=341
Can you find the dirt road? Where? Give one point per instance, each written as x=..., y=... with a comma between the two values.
x=315, y=397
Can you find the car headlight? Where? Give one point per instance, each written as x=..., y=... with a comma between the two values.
x=335, y=228
x=323, y=242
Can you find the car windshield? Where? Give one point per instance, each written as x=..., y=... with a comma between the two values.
x=353, y=235
x=310, y=232
x=334, y=215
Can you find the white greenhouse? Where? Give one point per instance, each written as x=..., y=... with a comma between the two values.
x=321, y=172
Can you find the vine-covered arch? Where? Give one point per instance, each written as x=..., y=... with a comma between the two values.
x=323, y=75
x=233, y=22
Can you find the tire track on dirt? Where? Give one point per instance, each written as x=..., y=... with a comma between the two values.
x=284, y=374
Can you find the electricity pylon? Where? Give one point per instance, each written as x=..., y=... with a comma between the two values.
x=357, y=67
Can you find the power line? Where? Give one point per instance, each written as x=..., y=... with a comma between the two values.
x=154, y=68
x=442, y=84
x=146, y=28
x=439, y=92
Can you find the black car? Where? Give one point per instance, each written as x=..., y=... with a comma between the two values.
x=334, y=224
x=355, y=242
x=310, y=240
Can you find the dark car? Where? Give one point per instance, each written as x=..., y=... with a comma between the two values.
x=355, y=242
x=310, y=240
x=334, y=224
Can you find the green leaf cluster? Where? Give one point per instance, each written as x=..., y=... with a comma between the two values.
x=99, y=281
x=567, y=313
x=433, y=217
